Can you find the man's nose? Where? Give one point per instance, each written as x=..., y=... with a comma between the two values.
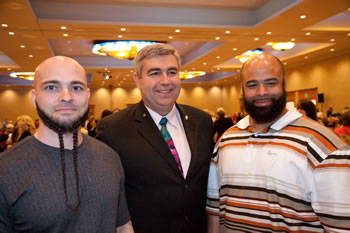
x=164, y=79
x=261, y=90
x=65, y=95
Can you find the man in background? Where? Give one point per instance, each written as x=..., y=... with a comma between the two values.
x=277, y=170
x=60, y=180
x=221, y=124
x=165, y=148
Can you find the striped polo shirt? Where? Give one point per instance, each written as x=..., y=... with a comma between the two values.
x=292, y=177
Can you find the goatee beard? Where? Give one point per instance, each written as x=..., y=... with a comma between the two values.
x=61, y=126
x=266, y=114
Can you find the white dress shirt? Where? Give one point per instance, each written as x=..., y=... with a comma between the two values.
x=177, y=133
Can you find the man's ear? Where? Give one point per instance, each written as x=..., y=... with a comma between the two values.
x=136, y=80
x=33, y=96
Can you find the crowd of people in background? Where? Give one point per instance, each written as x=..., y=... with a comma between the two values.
x=339, y=122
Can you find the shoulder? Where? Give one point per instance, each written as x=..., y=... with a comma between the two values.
x=19, y=149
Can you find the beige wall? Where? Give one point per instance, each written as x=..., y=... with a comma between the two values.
x=331, y=77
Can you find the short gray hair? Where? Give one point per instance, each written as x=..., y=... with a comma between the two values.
x=158, y=49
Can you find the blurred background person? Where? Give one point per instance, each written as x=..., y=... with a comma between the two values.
x=307, y=108
x=221, y=124
x=344, y=131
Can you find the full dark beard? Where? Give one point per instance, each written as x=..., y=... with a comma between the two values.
x=57, y=126
x=268, y=113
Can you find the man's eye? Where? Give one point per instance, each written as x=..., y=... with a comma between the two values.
x=252, y=85
x=172, y=73
x=77, y=88
x=271, y=83
x=154, y=74
x=51, y=87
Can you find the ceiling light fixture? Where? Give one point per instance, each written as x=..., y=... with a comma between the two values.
x=308, y=33
x=24, y=75
x=245, y=56
x=293, y=39
x=227, y=32
x=123, y=29
x=256, y=38
x=234, y=49
x=282, y=46
x=170, y=37
x=332, y=40
x=22, y=46
x=4, y=25
x=217, y=38
x=11, y=33
x=191, y=74
x=302, y=16
x=63, y=27
x=177, y=30
x=268, y=33
x=65, y=34
x=119, y=49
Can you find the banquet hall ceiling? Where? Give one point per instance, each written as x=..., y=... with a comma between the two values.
x=211, y=33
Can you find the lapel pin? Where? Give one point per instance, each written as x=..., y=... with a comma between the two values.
x=144, y=115
x=186, y=117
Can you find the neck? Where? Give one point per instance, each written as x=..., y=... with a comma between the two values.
x=257, y=126
x=50, y=137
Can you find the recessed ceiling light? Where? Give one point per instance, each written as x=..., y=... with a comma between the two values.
x=177, y=30
x=120, y=36
x=308, y=33
x=218, y=57
x=332, y=50
x=131, y=71
x=284, y=63
x=348, y=33
x=269, y=43
x=63, y=27
x=4, y=25
x=302, y=16
x=123, y=29
x=218, y=68
x=11, y=33
x=22, y=46
x=30, y=55
x=234, y=49
x=227, y=32
x=8, y=68
x=268, y=33
x=217, y=38
x=306, y=57
x=332, y=40
x=65, y=34
x=293, y=39
x=204, y=63
x=170, y=37
x=256, y=38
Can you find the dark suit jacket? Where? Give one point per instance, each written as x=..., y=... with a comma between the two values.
x=160, y=200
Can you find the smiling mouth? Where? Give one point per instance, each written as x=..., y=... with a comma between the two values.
x=164, y=91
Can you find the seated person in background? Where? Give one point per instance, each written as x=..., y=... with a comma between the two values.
x=307, y=108
x=221, y=124
x=344, y=131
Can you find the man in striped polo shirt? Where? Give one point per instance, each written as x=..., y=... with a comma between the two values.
x=276, y=170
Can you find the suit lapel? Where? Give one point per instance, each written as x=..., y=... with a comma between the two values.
x=191, y=130
x=150, y=132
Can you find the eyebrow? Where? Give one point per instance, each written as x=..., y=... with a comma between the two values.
x=58, y=82
x=159, y=69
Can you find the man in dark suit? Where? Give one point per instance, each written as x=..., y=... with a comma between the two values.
x=165, y=181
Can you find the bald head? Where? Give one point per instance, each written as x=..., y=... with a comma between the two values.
x=58, y=66
x=261, y=62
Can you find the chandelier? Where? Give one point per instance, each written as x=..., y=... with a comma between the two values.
x=119, y=49
x=282, y=45
x=190, y=74
x=251, y=53
x=24, y=75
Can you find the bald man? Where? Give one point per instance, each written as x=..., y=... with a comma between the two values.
x=277, y=170
x=60, y=180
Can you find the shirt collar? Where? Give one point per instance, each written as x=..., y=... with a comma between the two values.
x=171, y=116
x=283, y=121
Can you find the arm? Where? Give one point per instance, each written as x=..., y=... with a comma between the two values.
x=213, y=223
x=126, y=228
